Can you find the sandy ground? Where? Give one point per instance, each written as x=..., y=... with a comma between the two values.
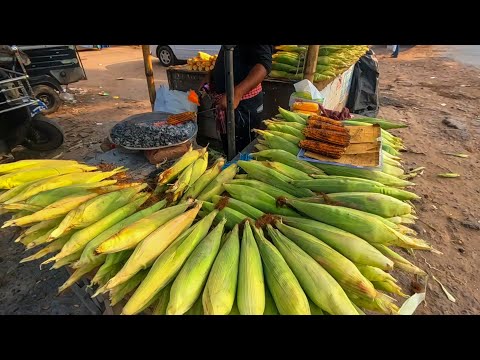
x=422, y=87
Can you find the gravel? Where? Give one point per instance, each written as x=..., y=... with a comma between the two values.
x=144, y=135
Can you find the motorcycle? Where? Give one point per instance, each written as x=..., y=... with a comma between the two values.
x=21, y=118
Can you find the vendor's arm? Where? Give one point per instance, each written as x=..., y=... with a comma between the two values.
x=263, y=58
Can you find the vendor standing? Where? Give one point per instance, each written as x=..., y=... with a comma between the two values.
x=251, y=64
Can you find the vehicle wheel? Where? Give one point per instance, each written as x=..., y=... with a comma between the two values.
x=166, y=56
x=44, y=134
x=49, y=96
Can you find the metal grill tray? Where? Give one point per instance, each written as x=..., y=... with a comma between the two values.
x=139, y=120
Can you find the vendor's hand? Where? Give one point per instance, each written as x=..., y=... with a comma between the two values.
x=223, y=102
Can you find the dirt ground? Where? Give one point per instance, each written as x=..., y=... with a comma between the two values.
x=422, y=88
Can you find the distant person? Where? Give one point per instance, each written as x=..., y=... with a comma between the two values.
x=396, y=49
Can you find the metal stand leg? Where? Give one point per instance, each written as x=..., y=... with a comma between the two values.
x=230, y=109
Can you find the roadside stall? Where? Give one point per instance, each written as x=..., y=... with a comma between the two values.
x=297, y=224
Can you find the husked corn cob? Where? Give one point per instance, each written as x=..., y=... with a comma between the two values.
x=191, y=279
x=305, y=106
x=153, y=245
x=343, y=270
x=323, y=148
x=168, y=264
x=282, y=283
x=318, y=284
x=251, y=286
x=329, y=136
x=349, y=245
x=220, y=290
x=325, y=119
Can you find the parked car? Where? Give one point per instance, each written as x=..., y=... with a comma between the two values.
x=173, y=54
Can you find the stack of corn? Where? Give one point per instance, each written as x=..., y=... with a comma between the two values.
x=202, y=62
x=299, y=241
x=332, y=61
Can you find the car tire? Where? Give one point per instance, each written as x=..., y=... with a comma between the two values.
x=166, y=56
x=45, y=134
x=49, y=97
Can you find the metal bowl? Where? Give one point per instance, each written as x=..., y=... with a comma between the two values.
x=149, y=119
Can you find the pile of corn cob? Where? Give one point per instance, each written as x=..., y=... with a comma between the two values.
x=202, y=62
x=333, y=60
x=289, y=250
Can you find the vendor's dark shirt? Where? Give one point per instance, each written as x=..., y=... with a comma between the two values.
x=245, y=57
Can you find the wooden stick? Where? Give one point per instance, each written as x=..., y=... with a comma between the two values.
x=311, y=62
x=147, y=61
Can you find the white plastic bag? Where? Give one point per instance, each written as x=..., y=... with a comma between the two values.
x=173, y=101
x=306, y=86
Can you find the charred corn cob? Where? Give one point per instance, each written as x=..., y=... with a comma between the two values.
x=330, y=136
x=325, y=119
x=319, y=124
x=180, y=118
x=322, y=148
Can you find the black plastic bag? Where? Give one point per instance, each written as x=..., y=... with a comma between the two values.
x=363, y=95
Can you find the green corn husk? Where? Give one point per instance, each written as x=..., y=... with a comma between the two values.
x=162, y=302
x=266, y=188
x=95, y=209
x=295, y=125
x=168, y=264
x=314, y=309
x=233, y=217
x=259, y=172
x=216, y=185
x=50, y=248
x=287, y=158
x=351, y=246
x=118, y=293
x=342, y=270
x=21, y=165
x=112, y=261
x=258, y=199
x=47, y=224
x=336, y=184
x=367, y=226
x=289, y=296
x=260, y=147
x=374, y=203
x=318, y=284
x=188, y=158
x=191, y=279
x=32, y=237
x=40, y=239
x=81, y=238
x=291, y=116
x=89, y=254
x=387, y=148
x=251, y=286
x=390, y=287
x=381, y=304
x=399, y=261
x=384, y=124
x=239, y=206
x=55, y=182
x=220, y=290
x=279, y=142
x=375, y=274
x=275, y=126
x=53, y=211
x=235, y=310
x=270, y=307
x=392, y=170
x=131, y=235
x=360, y=311
x=176, y=190
x=378, y=176
x=196, y=309
x=150, y=248
x=291, y=138
x=67, y=260
x=286, y=170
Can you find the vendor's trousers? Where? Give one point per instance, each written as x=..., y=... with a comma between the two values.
x=248, y=116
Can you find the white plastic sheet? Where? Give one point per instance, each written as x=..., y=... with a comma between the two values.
x=172, y=101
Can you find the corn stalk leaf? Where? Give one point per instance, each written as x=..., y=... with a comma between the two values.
x=411, y=304
x=449, y=175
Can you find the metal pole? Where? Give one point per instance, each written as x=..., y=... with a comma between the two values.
x=229, y=91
